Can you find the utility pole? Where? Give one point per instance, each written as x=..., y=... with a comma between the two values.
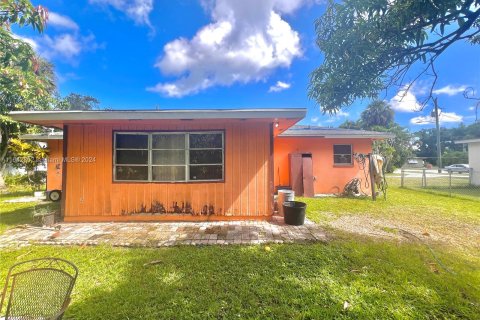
x=437, y=125
x=476, y=111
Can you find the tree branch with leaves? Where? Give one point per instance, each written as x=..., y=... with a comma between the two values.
x=372, y=45
x=26, y=80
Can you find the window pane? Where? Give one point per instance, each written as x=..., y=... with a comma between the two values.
x=173, y=173
x=206, y=172
x=168, y=157
x=205, y=140
x=205, y=156
x=132, y=157
x=131, y=141
x=340, y=158
x=342, y=149
x=168, y=141
x=131, y=173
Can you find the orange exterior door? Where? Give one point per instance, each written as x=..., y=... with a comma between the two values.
x=307, y=172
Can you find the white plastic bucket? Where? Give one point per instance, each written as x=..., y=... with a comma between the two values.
x=39, y=194
x=284, y=196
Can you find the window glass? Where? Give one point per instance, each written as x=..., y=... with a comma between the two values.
x=132, y=156
x=205, y=156
x=168, y=141
x=131, y=141
x=138, y=173
x=168, y=173
x=206, y=172
x=165, y=157
x=161, y=156
x=342, y=159
x=342, y=154
x=205, y=140
x=342, y=149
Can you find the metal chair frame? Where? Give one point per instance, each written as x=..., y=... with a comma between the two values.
x=55, y=264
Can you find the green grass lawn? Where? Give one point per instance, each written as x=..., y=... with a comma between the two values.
x=12, y=214
x=378, y=278
x=451, y=223
x=401, y=203
x=459, y=185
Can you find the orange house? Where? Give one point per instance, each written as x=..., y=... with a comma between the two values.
x=167, y=164
x=192, y=164
x=54, y=144
x=315, y=160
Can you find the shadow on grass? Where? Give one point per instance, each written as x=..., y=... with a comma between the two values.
x=288, y=282
x=13, y=214
x=15, y=194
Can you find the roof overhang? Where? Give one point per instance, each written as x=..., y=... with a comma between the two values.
x=376, y=136
x=476, y=140
x=285, y=117
x=42, y=136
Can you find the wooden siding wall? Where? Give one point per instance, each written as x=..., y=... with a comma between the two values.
x=92, y=195
x=54, y=164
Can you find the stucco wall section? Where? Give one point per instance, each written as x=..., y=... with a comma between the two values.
x=474, y=161
x=328, y=178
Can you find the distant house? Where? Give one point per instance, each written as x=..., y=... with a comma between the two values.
x=192, y=164
x=54, y=143
x=473, y=158
x=316, y=160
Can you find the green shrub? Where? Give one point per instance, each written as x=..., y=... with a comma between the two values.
x=453, y=157
x=26, y=182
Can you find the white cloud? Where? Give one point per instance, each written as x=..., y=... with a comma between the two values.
x=341, y=113
x=315, y=119
x=30, y=41
x=287, y=6
x=137, y=10
x=471, y=108
x=281, y=6
x=66, y=46
x=405, y=101
x=444, y=117
x=338, y=116
x=245, y=42
x=57, y=20
x=279, y=86
x=450, y=90
x=64, y=77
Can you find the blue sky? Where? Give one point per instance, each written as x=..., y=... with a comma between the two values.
x=143, y=54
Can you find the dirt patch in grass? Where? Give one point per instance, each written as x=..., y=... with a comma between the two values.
x=445, y=231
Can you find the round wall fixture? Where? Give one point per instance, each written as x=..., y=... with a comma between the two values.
x=55, y=195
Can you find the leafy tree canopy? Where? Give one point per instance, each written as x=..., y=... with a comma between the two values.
x=379, y=116
x=426, y=144
x=76, y=101
x=370, y=45
x=26, y=154
x=26, y=81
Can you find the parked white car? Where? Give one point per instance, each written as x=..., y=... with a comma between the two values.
x=458, y=168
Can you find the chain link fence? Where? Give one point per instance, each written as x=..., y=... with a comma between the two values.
x=448, y=182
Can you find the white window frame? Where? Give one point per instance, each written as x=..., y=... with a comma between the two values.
x=343, y=154
x=187, y=163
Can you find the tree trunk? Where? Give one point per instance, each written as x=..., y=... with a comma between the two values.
x=3, y=154
x=3, y=186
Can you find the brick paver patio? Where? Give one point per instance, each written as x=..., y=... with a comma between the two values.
x=159, y=234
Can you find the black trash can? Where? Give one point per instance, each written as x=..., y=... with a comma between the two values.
x=294, y=212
